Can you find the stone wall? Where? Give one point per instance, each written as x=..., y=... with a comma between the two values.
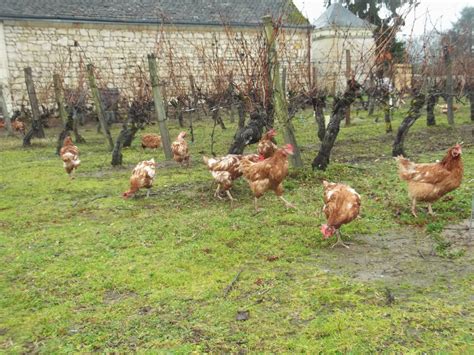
x=119, y=52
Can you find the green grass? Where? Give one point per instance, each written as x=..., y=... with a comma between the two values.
x=85, y=270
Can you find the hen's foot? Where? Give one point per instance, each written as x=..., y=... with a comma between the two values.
x=340, y=242
x=413, y=208
x=287, y=204
x=430, y=210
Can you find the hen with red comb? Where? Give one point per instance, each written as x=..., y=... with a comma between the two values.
x=429, y=182
x=268, y=174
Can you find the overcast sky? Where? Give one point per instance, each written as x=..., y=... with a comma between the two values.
x=439, y=13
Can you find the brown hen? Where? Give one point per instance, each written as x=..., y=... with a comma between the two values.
x=180, y=149
x=151, y=141
x=142, y=177
x=69, y=154
x=341, y=206
x=225, y=170
x=268, y=174
x=429, y=182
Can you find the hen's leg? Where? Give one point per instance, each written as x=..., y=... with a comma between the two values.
x=255, y=204
x=231, y=198
x=148, y=193
x=287, y=204
x=216, y=193
x=430, y=210
x=413, y=207
x=339, y=241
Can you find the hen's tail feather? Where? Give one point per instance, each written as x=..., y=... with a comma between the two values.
x=210, y=162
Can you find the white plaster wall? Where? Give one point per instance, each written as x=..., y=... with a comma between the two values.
x=4, y=70
x=329, y=56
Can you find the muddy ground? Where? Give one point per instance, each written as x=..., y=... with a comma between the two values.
x=405, y=258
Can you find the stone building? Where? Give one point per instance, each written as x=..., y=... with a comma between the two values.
x=336, y=31
x=187, y=36
x=402, y=77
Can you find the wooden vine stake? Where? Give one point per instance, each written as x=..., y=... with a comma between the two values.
x=159, y=107
x=98, y=105
x=279, y=97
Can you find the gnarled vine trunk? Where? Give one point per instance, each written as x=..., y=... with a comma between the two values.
x=124, y=139
x=341, y=105
x=241, y=111
x=75, y=126
x=319, y=102
x=414, y=113
x=249, y=134
x=430, y=106
x=321, y=161
x=36, y=124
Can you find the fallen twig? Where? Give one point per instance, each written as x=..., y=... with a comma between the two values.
x=232, y=283
x=356, y=167
x=98, y=197
x=462, y=228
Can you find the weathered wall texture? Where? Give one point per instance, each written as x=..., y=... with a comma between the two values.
x=329, y=55
x=402, y=77
x=4, y=70
x=119, y=53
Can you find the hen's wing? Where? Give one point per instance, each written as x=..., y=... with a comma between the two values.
x=176, y=147
x=341, y=204
x=182, y=148
x=144, y=170
x=423, y=173
x=255, y=170
x=266, y=148
x=69, y=153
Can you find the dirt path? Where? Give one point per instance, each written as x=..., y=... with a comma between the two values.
x=404, y=258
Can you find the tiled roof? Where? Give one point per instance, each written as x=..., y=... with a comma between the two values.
x=338, y=16
x=196, y=12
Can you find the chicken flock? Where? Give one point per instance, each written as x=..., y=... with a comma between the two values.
x=267, y=170
x=17, y=126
